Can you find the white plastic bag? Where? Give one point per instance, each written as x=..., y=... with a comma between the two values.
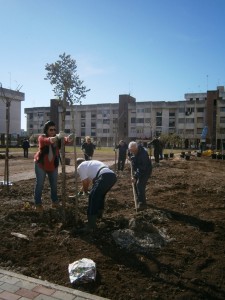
x=83, y=270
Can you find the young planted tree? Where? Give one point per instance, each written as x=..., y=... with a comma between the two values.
x=70, y=90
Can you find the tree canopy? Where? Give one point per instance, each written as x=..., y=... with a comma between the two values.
x=63, y=76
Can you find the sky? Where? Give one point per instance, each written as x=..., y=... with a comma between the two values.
x=154, y=50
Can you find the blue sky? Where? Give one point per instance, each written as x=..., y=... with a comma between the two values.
x=156, y=50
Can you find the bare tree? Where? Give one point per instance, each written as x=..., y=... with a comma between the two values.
x=70, y=90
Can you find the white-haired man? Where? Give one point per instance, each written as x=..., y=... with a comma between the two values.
x=142, y=167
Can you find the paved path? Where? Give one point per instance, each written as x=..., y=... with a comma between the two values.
x=29, y=173
x=14, y=286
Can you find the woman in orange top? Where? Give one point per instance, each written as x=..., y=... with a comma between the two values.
x=47, y=162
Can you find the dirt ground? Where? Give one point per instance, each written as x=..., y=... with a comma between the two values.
x=175, y=250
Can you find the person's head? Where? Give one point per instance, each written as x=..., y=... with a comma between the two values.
x=49, y=129
x=79, y=161
x=88, y=139
x=133, y=147
x=121, y=142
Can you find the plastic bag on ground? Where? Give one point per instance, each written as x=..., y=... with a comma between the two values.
x=83, y=270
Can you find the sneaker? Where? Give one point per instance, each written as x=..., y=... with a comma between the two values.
x=39, y=208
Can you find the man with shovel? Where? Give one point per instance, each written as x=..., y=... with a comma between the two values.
x=142, y=169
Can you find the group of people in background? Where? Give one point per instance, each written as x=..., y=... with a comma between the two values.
x=91, y=171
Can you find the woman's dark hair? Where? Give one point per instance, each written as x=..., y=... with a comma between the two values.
x=47, y=125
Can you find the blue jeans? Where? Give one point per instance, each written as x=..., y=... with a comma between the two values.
x=40, y=179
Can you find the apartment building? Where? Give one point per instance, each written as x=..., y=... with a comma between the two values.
x=128, y=119
x=10, y=113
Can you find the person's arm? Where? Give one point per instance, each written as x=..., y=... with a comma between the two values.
x=85, y=184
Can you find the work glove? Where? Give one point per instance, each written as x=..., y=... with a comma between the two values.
x=61, y=135
x=70, y=137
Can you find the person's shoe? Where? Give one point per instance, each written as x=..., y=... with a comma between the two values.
x=100, y=214
x=90, y=227
x=84, y=230
x=39, y=208
x=56, y=204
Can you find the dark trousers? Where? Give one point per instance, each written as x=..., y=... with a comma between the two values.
x=121, y=163
x=140, y=187
x=156, y=155
x=100, y=188
x=87, y=157
x=25, y=152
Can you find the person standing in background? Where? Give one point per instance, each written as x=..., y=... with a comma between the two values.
x=156, y=144
x=88, y=148
x=25, y=146
x=122, y=147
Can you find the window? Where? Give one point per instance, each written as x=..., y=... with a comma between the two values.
x=93, y=115
x=140, y=110
x=106, y=121
x=133, y=129
x=147, y=120
x=105, y=130
x=148, y=110
x=158, y=121
x=222, y=109
x=82, y=132
x=140, y=130
x=189, y=111
x=172, y=114
x=158, y=113
x=190, y=131
x=140, y=120
x=93, y=124
x=181, y=121
x=31, y=116
x=68, y=113
x=200, y=109
x=190, y=121
x=133, y=120
x=82, y=114
x=105, y=113
x=200, y=120
x=181, y=110
x=199, y=130
x=172, y=122
x=222, y=119
x=82, y=124
x=93, y=132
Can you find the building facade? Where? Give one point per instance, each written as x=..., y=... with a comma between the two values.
x=10, y=113
x=108, y=123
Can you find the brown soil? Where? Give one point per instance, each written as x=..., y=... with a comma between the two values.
x=186, y=208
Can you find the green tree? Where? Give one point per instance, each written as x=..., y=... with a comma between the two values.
x=70, y=90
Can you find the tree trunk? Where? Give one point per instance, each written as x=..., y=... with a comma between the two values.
x=63, y=190
x=75, y=164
